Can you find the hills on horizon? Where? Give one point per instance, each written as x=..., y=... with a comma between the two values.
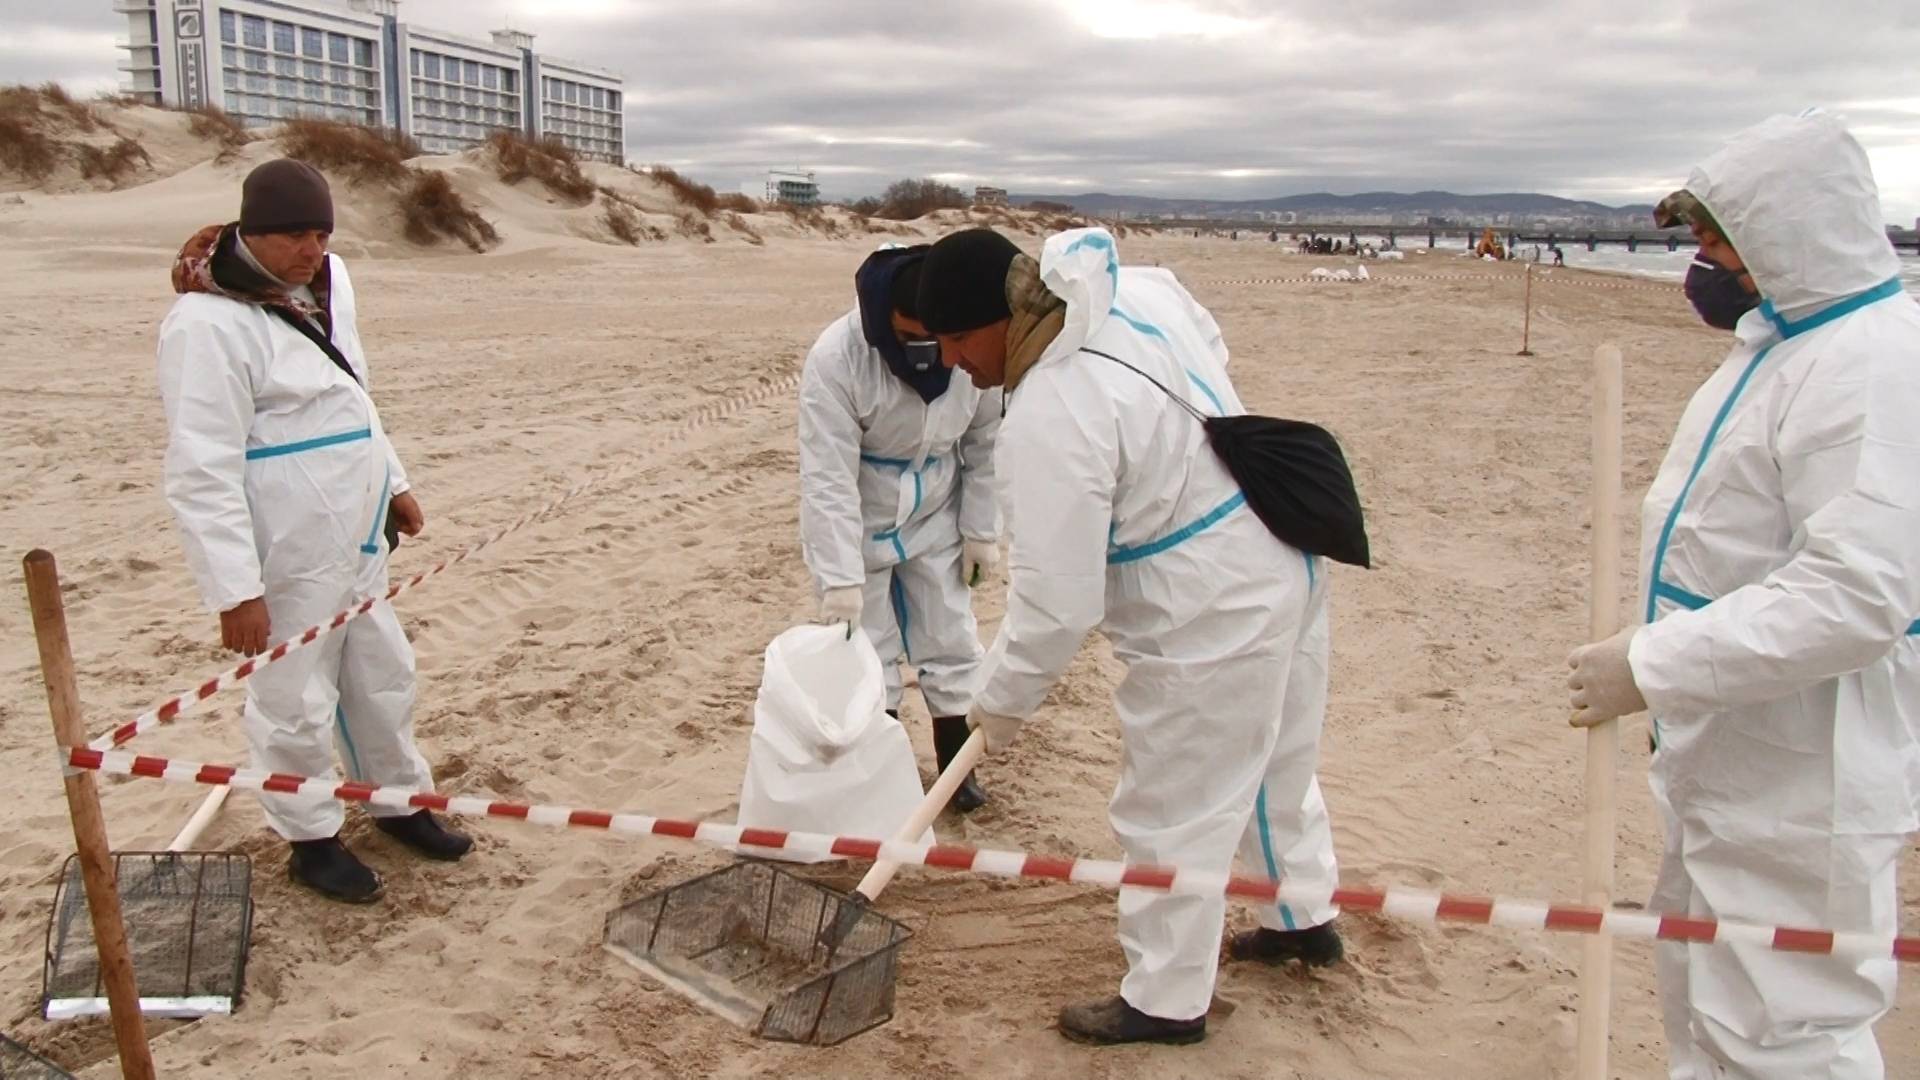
x=1421, y=204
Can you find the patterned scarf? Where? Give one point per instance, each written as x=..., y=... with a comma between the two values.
x=210, y=263
x=1037, y=318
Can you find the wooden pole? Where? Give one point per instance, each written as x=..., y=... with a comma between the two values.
x=1526, y=327
x=1603, y=740
x=89, y=825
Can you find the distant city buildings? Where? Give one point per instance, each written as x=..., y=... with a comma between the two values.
x=989, y=196
x=793, y=187
x=266, y=61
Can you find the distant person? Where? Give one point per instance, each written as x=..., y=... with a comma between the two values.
x=1781, y=580
x=290, y=499
x=1122, y=519
x=897, y=519
x=1559, y=257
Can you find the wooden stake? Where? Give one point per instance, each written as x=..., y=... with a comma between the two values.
x=89, y=825
x=1603, y=740
x=1526, y=327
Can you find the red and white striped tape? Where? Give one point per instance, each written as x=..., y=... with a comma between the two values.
x=1409, y=904
x=185, y=702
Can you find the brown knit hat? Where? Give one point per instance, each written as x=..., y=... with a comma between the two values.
x=285, y=196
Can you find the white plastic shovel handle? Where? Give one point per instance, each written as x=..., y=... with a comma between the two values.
x=881, y=873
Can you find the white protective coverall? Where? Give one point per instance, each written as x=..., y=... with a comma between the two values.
x=279, y=476
x=889, y=485
x=1781, y=575
x=1122, y=518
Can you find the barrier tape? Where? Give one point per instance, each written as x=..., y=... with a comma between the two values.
x=1409, y=904
x=186, y=701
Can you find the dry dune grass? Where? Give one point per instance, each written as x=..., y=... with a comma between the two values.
x=361, y=154
x=216, y=126
x=112, y=163
x=32, y=119
x=430, y=209
x=549, y=161
x=622, y=219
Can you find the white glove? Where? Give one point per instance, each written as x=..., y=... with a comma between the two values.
x=978, y=558
x=841, y=605
x=1602, y=681
x=1001, y=730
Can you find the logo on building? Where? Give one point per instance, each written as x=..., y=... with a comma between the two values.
x=189, y=26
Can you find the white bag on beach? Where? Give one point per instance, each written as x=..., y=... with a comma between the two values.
x=825, y=757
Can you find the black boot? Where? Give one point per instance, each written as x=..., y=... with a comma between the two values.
x=328, y=868
x=949, y=735
x=1113, y=1021
x=1316, y=946
x=423, y=833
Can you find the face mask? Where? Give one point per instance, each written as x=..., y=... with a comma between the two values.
x=1717, y=295
x=923, y=355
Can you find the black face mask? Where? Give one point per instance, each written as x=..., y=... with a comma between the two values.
x=1717, y=295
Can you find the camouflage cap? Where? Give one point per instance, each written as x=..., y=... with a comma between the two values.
x=1683, y=208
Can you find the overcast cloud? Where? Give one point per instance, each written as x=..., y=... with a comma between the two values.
x=1604, y=99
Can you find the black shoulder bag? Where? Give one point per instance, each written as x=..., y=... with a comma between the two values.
x=1293, y=474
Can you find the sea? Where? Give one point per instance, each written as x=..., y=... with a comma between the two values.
x=1653, y=261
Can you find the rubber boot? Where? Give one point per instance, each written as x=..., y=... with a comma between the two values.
x=949, y=735
x=328, y=868
x=1316, y=946
x=423, y=833
x=1113, y=1021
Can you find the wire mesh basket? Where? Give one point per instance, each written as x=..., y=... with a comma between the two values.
x=19, y=1063
x=189, y=920
x=751, y=943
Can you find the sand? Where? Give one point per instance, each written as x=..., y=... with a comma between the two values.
x=609, y=657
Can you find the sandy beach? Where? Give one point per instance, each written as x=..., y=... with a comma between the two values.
x=609, y=657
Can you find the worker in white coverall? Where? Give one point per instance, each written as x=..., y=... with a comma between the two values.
x=1121, y=518
x=1780, y=570
x=281, y=479
x=897, y=515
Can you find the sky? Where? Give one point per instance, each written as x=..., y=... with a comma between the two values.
x=1612, y=100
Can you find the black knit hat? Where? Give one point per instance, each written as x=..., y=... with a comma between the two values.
x=284, y=196
x=963, y=282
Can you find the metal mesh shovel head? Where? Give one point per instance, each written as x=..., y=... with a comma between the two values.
x=189, y=919
x=748, y=942
x=19, y=1063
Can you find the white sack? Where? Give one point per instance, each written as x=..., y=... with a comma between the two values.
x=825, y=757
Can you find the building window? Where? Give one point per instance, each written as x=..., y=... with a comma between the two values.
x=283, y=38
x=490, y=77
x=573, y=93
x=613, y=100
x=256, y=61
x=312, y=43
x=253, y=31
x=337, y=50
x=432, y=61
x=286, y=65
x=313, y=69
x=363, y=52
x=507, y=82
x=339, y=74
x=413, y=61
x=230, y=79
x=228, y=33
x=473, y=73
x=229, y=56
x=313, y=91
